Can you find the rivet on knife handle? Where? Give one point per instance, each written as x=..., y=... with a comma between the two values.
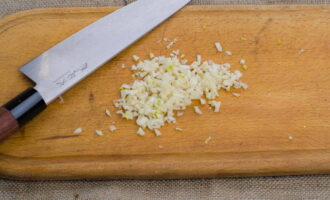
x=19, y=111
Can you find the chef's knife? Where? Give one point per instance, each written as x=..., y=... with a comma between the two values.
x=62, y=66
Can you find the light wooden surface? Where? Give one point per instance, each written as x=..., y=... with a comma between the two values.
x=288, y=96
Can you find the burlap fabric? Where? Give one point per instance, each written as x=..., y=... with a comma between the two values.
x=11, y=6
x=290, y=187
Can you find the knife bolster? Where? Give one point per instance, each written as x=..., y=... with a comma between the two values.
x=25, y=106
x=19, y=111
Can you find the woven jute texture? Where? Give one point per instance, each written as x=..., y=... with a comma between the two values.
x=290, y=187
x=11, y=6
x=277, y=188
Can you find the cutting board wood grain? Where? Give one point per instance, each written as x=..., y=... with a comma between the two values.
x=279, y=126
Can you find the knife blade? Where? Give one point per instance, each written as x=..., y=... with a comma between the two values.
x=61, y=67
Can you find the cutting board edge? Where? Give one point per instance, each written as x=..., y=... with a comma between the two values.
x=15, y=168
x=208, y=165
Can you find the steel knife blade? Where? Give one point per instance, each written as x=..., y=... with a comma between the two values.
x=65, y=64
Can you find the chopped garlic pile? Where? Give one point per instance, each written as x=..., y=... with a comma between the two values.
x=165, y=85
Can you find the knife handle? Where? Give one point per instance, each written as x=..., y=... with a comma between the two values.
x=19, y=111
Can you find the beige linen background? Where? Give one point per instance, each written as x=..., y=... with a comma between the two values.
x=290, y=187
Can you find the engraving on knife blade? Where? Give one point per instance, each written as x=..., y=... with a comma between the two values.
x=69, y=75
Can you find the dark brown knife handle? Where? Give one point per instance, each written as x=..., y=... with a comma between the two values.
x=8, y=123
x=21, y=109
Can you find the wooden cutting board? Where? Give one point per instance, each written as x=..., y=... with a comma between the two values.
x=279, y=126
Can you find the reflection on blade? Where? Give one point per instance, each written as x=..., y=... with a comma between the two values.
x=62, y=66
